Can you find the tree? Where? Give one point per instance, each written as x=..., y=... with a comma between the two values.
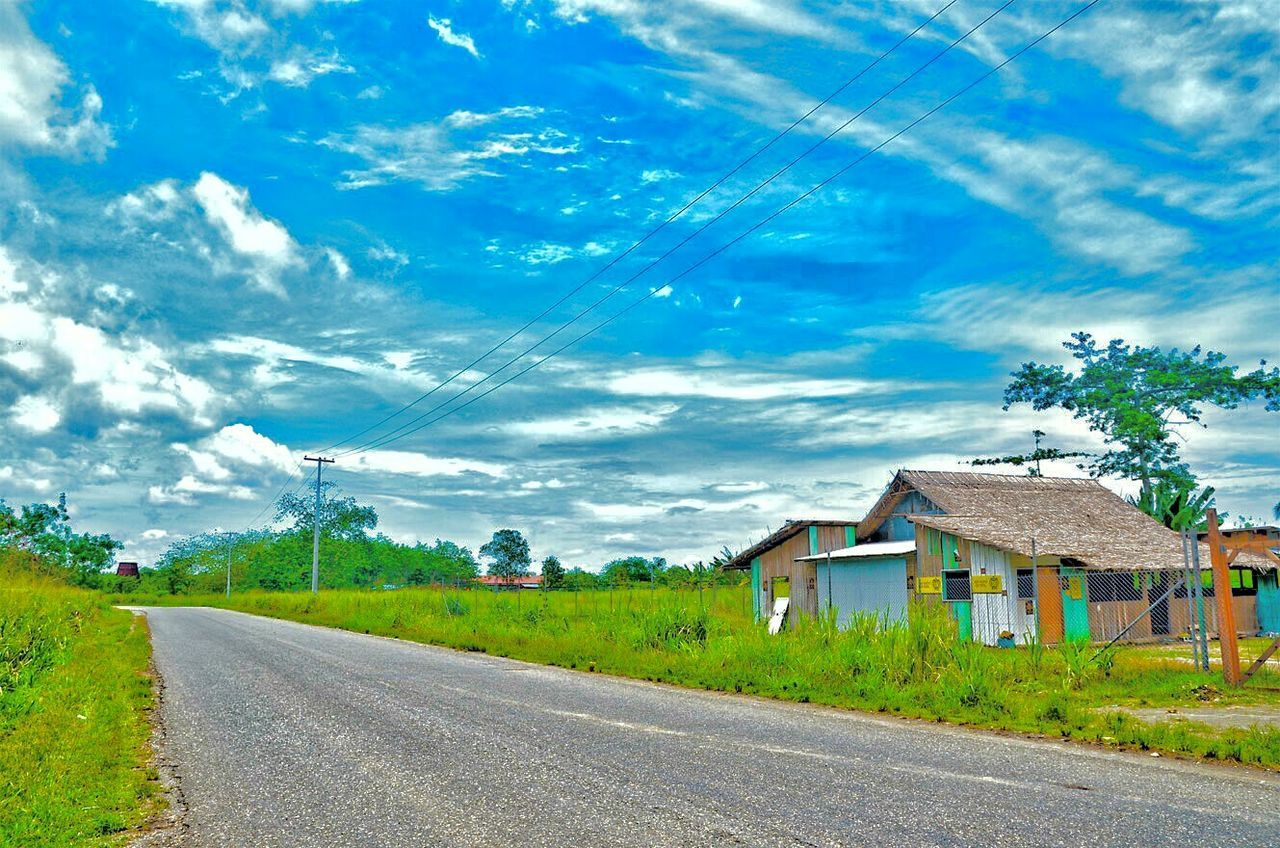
x=1031, y=460
x=340, y=518
x=1176, y=507
x=510, y=554
x=1138, y=398
x=552, y=573
x=633, y=569
x=45, y=531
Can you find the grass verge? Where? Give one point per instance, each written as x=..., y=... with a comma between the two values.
x=74, y=701
x=919, y=669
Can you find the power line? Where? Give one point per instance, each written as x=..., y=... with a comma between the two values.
x=645, y=238
x=799, y=199
x=405, y=429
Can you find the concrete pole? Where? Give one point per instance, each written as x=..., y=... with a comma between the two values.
x=315, y=541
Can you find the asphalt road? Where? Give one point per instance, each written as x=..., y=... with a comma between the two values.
x=288, y=735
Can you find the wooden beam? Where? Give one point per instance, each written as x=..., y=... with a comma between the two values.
x=1222, y=594
x=1261, y=660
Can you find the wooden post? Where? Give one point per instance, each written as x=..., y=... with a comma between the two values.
x=1226, y=612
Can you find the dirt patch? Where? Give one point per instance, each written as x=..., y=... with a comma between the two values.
x=1262, y=715
x=166, y=828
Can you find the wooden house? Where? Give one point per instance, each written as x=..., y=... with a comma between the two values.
x=1013, y=555
x=1009, y=556
x=779, y=570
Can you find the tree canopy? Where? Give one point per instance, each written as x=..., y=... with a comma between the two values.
x=1138, y=398
x=552, y=573
x=44, y=530
x=340, y=518
x=509, y=552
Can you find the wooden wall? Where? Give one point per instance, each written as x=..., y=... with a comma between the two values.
x=781, y=562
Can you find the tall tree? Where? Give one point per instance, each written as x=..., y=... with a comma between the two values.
x=509, y=552
x=1138, y=398
x=340, y=518
x=552, y=573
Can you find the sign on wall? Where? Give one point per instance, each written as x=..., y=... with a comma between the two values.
x=988, y=584
x=931, y=585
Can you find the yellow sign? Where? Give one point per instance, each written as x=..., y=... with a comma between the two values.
x=987, y=584
x=1075, y=588
x=931, y=585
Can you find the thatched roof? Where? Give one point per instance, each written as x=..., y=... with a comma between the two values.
x=789, y=528
x=1069, y=518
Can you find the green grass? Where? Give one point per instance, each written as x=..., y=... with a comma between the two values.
x=74, y=702
x=919, y=669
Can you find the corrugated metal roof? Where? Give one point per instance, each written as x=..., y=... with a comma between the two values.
x=872, y=550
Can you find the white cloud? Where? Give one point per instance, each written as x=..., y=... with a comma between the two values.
x=155, y=533
x=596, y=423
x=341, y=266
x=266, y=243
x=728, y=384
x=446, y=33
x=301, y=67
x=36, y=414
x=129, y=374
x=420, y=465
x=33, y=111
x=439, y=156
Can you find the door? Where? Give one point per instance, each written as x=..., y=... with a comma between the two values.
x=1075, y=604
x=1049, y=597
x=1160, y=611
x=1268, y=603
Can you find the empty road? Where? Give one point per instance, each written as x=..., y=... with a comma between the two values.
x=289, y=735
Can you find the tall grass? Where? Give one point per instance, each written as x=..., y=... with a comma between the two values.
x=74, y=696
x=918, y=668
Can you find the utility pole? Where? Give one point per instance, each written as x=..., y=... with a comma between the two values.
x=315, y=542
x=230, y=536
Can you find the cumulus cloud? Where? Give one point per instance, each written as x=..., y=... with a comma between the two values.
x=265, y=243
x=128, y=376
x=37, y=112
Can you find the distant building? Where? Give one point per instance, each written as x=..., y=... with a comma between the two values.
x=127, y=569
x=532, y=581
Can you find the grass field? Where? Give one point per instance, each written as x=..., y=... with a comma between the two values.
x=74, y=703
x=709, y=641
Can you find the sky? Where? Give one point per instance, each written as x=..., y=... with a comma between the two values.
x=232, y=233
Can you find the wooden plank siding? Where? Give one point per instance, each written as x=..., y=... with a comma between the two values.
x=1106, y=618
x=780, y=561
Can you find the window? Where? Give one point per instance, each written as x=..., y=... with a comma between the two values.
x=1106, y=586
x=1026, y=584
x=955, y=585
x=1242, y=582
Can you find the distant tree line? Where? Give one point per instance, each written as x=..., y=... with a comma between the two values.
x=354, y=555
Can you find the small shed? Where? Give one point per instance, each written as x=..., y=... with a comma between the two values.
x=127, y=569
x=873, y=579
x=778, y=569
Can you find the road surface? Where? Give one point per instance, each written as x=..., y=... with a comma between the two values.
x=289, y=735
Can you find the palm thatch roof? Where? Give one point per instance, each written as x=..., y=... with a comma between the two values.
x=1075, y=519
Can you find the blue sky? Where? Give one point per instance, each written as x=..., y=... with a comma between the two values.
x=232, y=232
